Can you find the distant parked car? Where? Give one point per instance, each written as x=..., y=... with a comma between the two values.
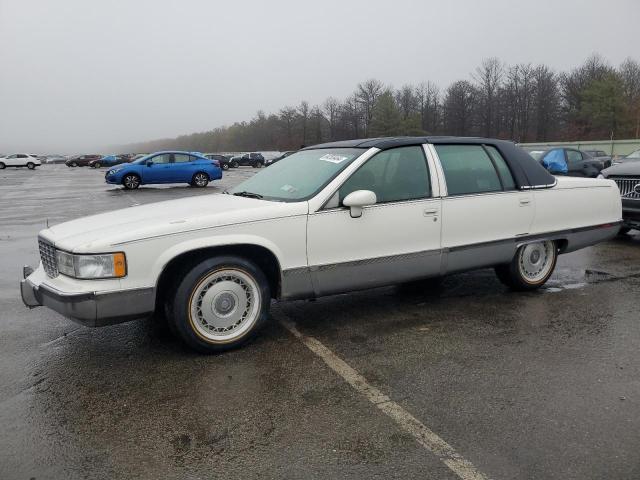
x=635, y=155
x=28, y=160
x=54, y=159
x=165, y=167
x=255, y=160
x=569, y=161
x=277, y=159
x=81, y=160
x=596, y=153
x=109, y=161
x=223, y=160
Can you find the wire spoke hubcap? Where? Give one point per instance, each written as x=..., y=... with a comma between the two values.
x=224, y=305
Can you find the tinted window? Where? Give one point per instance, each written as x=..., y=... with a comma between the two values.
x=468, y=169
x=182, y=158
x=394, y=175
x=573, y=156
x=164, y=158
x=22, y=155
x=503, y=168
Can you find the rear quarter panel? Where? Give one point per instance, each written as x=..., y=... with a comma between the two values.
x=576, y=203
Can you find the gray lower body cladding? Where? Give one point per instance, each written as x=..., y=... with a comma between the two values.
x=316, y=281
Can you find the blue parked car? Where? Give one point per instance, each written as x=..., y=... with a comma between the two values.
x=109, y=161
x=165, y=167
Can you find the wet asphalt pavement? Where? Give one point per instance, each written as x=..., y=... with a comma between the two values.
x=536, y=385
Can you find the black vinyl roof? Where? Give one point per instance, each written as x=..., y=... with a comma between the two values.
x=527, y=172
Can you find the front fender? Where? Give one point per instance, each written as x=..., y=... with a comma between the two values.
x=211, y=242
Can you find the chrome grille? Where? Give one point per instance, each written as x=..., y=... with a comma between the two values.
x=629, y=187
x=48, y=257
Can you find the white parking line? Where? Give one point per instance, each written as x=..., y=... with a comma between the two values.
x=422, y=434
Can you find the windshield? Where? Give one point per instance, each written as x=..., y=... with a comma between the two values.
x=635, y=154
x=299, y=176
x=142, y=159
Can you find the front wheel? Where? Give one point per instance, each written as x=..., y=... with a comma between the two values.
x=531, y=266
x=96, y=165
x=235, y=164
x=31, y=165
x=2, y=166
x=624, y=230
x=131, y=181
x=225, y=166
x=220, y=304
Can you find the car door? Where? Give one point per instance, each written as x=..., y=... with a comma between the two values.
x=483, y=212
x=182, y=168
x=11, y=160
x=157, y=171
x=576, y=164
x=396, y=239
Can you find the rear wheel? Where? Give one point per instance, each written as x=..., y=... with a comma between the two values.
x=235, y=164
x=200, y=180
x=31, y=165
x=531, y=266
x=73, y=164
x=219, y=304
x=2, y=166
x=131, y=181
x=97, y=165
x=624, y=230
x=225, y=166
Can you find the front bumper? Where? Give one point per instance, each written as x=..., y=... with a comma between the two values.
x=631, y=213
x=92, y=309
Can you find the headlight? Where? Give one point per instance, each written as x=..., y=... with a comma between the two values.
x=601, y=176
x=109, y=265
x=113, y=171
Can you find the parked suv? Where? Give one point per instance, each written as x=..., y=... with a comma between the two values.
x=255, y=160
x=81, y=160
x=627, y=177
x=223, y=160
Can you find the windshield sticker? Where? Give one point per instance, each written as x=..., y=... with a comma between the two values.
x=333, y=158
x=288, y=188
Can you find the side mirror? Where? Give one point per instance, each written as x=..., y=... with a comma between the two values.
x=149, y=163
x=359, y=199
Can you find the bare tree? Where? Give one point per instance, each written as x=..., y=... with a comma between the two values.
x=630, y=75
x=303, y=112
x=546, y=102
x=488, y=78
x=406, y=99
x=331, y=108
x=366, y=95
x=287, y=117
x=428, y=100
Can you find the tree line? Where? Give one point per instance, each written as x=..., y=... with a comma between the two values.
x=523, y=102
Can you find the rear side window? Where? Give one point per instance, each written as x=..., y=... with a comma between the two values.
x=503, y=169
x=468, y=169
x=182, y=158
x=573, y=156
x=393, y=175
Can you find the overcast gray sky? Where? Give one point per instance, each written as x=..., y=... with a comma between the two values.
x=78, y=75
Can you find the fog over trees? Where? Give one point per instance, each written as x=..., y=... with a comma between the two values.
x=523, y=102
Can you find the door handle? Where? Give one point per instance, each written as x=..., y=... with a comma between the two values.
x=427, y=212
x=524, y=202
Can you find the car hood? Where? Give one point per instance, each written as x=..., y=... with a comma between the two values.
x=104, y=231
x=630, y=167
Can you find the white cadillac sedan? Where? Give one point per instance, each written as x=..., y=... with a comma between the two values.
x=28, y=160
x=328, y=219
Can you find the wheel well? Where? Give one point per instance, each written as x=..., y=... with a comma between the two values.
x=562, y=244
x=261, y=256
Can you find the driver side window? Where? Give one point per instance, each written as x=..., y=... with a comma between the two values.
x=393, y=175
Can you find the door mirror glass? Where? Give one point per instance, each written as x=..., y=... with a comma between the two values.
x=357, y=200
x=149, y=163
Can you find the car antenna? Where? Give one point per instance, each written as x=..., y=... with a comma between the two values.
x=47, y=222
